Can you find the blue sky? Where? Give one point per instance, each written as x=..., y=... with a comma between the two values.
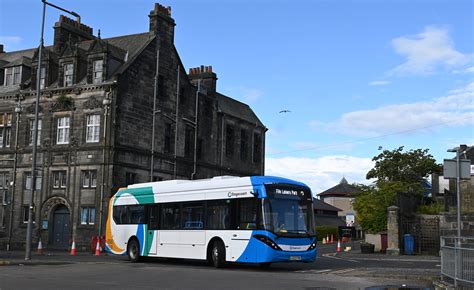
x=356, y=75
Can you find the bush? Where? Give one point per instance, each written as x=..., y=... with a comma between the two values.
x=324, y=231
x=432, y=208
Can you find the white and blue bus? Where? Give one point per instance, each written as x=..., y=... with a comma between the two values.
x=258, y=219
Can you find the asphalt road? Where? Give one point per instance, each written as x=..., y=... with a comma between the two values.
x=330, y=271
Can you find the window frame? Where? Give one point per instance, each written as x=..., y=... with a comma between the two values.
x=93, y=128
x=90, y=184
x=31, y=130
x=68, y=74
x=63, y=128
x=90, y=215
x=61, y=177
x=97, y=75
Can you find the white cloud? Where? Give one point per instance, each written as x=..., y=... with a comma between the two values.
x=455, y=109
x=320, y=173
x=427, y=51
x=10, y=43
x=468, y=70
x=379, y=83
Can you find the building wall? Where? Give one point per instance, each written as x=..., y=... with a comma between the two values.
x=344, y=203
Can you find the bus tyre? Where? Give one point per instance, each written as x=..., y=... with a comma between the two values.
x=265, y=265
x=218, y=254
x=133, y=251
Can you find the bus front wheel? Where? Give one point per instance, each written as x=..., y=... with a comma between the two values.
x=218, y=254
x=133, y=251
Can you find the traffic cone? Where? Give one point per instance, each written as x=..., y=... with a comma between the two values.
x=73, y=248
x=97, y=249
x=338, y=246
x=40, y=247
x=324, y=241
x=327, y=239
x=332, y=238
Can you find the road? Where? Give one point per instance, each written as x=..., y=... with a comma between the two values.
x=330, y=271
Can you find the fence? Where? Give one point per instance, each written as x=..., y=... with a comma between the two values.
x=457, y=259
x=425, y=232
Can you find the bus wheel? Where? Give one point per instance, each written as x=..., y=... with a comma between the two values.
x=265, y=265
x=218, y=254
x=133, y=251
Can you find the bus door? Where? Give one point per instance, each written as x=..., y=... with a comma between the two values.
x=153, y=226
x=245, y=221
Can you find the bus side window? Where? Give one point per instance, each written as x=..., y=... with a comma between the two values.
x=247, y=214
x=218, y=215
x=154, y=217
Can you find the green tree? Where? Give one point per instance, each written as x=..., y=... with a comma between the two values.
x=394, y=172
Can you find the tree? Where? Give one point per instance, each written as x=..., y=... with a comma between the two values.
x=394, y=172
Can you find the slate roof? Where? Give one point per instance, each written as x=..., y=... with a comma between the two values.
x=237, y=109
x=343, y=189
x=321, y=205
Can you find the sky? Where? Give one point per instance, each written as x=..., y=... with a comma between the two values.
x=357, y=77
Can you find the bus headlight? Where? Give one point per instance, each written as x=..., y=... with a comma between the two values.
x=313, y=245
x=266, y=240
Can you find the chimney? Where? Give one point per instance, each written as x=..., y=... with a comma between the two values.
x=1, y=48
x=67, y=29
x=206, y=76
x=162, y=24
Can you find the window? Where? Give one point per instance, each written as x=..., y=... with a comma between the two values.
x=5, y=129
x=243, y=144
x=218, y=215
x=129, y=214
x=30, y=140
x=167, y=145
x=43, y=78
x=193, y=216
x=188, y=141
x=93, y=128
x=87, y=215
x=89, y=178
x=130, y=178
x=59, y=179
x=68, y=74
x=4, y=186
x=229, y=140
x=98, y=69
x=257, y=154
x=26, y=209
x=170, y=216
x=28, y=184
x=12, y=75
x=247, y=213
x=63, y=131
x=154, y=217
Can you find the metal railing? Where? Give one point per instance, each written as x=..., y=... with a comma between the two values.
x=457, y=259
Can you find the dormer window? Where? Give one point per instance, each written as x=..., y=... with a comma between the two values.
x=68, y=74
x=42, y=78
x=97, y=71
x=12, y=75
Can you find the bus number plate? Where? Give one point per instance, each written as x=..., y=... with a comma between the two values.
x=295, y=258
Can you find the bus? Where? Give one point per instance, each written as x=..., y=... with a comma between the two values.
x=257, y=219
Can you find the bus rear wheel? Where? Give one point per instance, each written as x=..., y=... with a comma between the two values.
x=218, y=254
x=133, y=251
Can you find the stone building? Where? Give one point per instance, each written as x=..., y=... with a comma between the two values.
x=113, y=112
x=341, y=196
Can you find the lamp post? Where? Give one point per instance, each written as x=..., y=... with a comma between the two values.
x=106, y=103
x=18, y=111
x=29, y=229
x=457, y=244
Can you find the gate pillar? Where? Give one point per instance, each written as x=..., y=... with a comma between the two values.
x=393, y=231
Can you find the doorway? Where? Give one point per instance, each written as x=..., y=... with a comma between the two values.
x=61, y=227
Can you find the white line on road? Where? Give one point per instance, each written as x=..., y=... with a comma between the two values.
x=337, y=258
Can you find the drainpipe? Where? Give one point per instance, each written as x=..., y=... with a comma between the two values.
x=176, y=128
x=193, y=175
x=155, y=93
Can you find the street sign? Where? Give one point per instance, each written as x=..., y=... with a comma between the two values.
x=449, y=168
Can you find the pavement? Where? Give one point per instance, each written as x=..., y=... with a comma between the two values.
x=56, y=258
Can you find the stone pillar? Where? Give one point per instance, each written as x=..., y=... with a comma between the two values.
x=393, y=231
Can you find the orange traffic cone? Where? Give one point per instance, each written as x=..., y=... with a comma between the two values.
x=40, y=247
x=97, y=249
x=327, y=239
x=332, y=238
x=73, y=248
x=338, y=246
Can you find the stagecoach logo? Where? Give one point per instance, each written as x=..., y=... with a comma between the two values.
x=235, y=194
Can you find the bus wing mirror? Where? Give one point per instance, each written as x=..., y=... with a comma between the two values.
x=254, y=193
